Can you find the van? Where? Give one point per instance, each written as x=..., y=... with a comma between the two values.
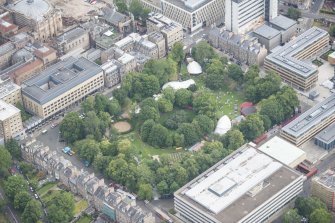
x=44, y=131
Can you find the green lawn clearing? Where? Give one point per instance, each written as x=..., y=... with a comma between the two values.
x=145, y=150
x=50, y=195
x=80, y=206
x=84, y=219
x=45, y=188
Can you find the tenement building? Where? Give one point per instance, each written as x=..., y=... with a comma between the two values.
x=10, y=121
x=10, y=92
x=191, y=14
x=323, y=187
x=61, y=85
x=241, y=16
x=39, y=15
x=311, y=122
x=74, y=39
x=289, y=61
x=247, y=186
x=172, y=31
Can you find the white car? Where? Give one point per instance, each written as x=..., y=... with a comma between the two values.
x=36, y=196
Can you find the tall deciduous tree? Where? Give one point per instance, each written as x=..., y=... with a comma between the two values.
x=87, y=149
x=204, y=103
x=321, y=215
x=15, y=184
x=32, y=212
x=235, y=72
x=292, y=216
x=216, y=73
x=71, y=127
x=13, y=148
x=203, y=53
x=145, y=192
x=252, y=127
x=5, y=160
x=183, y=97
x=21, y=199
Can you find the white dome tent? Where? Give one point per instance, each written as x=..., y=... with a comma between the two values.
x=194, y=68
x=223, y=126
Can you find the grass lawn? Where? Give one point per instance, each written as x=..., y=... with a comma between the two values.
x=164, y=116
x=325, y=55
x=226, y=101
x=42, y=190
x=84, y=219
x=50, y=195
x=144, y=149
x=80, y=206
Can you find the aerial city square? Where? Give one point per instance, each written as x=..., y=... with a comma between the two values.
x=167, y=111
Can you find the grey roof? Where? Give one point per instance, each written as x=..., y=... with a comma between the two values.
x=113, y=17
x=327, y=135
x=72, y=34
x=310, y=118
x=282, y=22
x=7, y=47
x=7, y=87
x=284, y=56
x=267, y=32
x=34, y=9
x=64, y=76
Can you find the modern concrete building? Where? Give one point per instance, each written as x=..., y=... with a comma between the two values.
x=241, y=16
x=191, y=14
x=268, y=36
x=247, y=186
x=171, y=30
x=243, y=48
x=286, y=26
x=323, y=187
x=76, y=38
x=326, y=138
x=39, y=15
x=290, y=63
x=311, y=122
x=10, y=121
x=10, y=92
x=61, y=85
x=283, y=151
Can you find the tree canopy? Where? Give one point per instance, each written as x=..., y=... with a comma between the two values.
x=32, y=212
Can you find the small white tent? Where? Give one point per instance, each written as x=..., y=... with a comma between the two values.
x=223, y=126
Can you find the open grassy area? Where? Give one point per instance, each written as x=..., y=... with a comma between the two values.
x=50, y=195
x=84, y=219
x=145, y=150
x=42, y=190
x=226, y=102
x=80, y=206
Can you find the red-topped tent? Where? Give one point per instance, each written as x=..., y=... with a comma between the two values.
x=245, y=104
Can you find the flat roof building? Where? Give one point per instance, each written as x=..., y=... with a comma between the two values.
x=326, y=138
x=61, y=85
x=268, y=36
x=311, y=122
x=290, y=63
x=10, y=92
x=10, y=121
x=191, y=14
x=323, y=187
x=283, y=151
x=246, y=186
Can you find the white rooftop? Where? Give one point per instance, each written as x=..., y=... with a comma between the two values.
x=7, y=110
x=194, y=68
x=228, y=182
x=223, y=126
x=282, y=150
x=176, y=85
x=126, y=58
